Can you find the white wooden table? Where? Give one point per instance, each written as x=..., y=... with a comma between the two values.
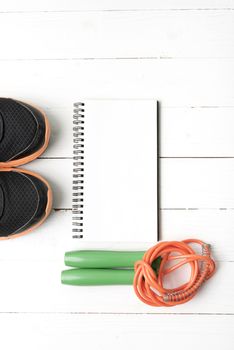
x=181, y=52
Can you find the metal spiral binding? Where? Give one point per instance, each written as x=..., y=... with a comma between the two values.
x=78, y=170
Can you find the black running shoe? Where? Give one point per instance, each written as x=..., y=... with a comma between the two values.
x=25, y=202
x=24, y=132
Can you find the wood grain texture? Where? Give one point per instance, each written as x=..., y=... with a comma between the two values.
x=114, y=5
x=115, y=332
x=130, y=34
x=173, y=82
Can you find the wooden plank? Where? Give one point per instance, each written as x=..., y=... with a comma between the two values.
x=201, y=183
x=103, y=5
x=34, y=286
x=173, y=82
x=115, y=331
x=197, y=132
x=119, y=34
x=53, y=238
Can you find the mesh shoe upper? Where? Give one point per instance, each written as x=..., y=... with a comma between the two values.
x=22, y=129
x=23, y=200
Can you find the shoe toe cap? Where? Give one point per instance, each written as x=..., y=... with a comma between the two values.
x=25, y=201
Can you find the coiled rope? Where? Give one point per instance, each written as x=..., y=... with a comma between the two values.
x=148, y=284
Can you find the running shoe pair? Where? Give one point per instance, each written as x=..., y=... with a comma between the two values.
x=25, y=197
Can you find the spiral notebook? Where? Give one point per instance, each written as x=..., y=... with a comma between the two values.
x=115, y=175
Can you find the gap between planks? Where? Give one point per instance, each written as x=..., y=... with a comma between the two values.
x=215, y=9
x=115, y=313
x=133, y=58
x=175, y=157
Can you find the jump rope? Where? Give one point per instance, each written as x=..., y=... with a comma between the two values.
x=146, y=271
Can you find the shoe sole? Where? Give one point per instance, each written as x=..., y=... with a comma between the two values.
x=48, y=206
x=27, y=159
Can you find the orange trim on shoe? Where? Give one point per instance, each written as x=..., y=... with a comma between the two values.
x=48, y=207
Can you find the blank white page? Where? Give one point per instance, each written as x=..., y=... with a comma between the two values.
x=120, y=171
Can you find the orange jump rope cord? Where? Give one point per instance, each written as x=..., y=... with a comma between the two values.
x=149, y=287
